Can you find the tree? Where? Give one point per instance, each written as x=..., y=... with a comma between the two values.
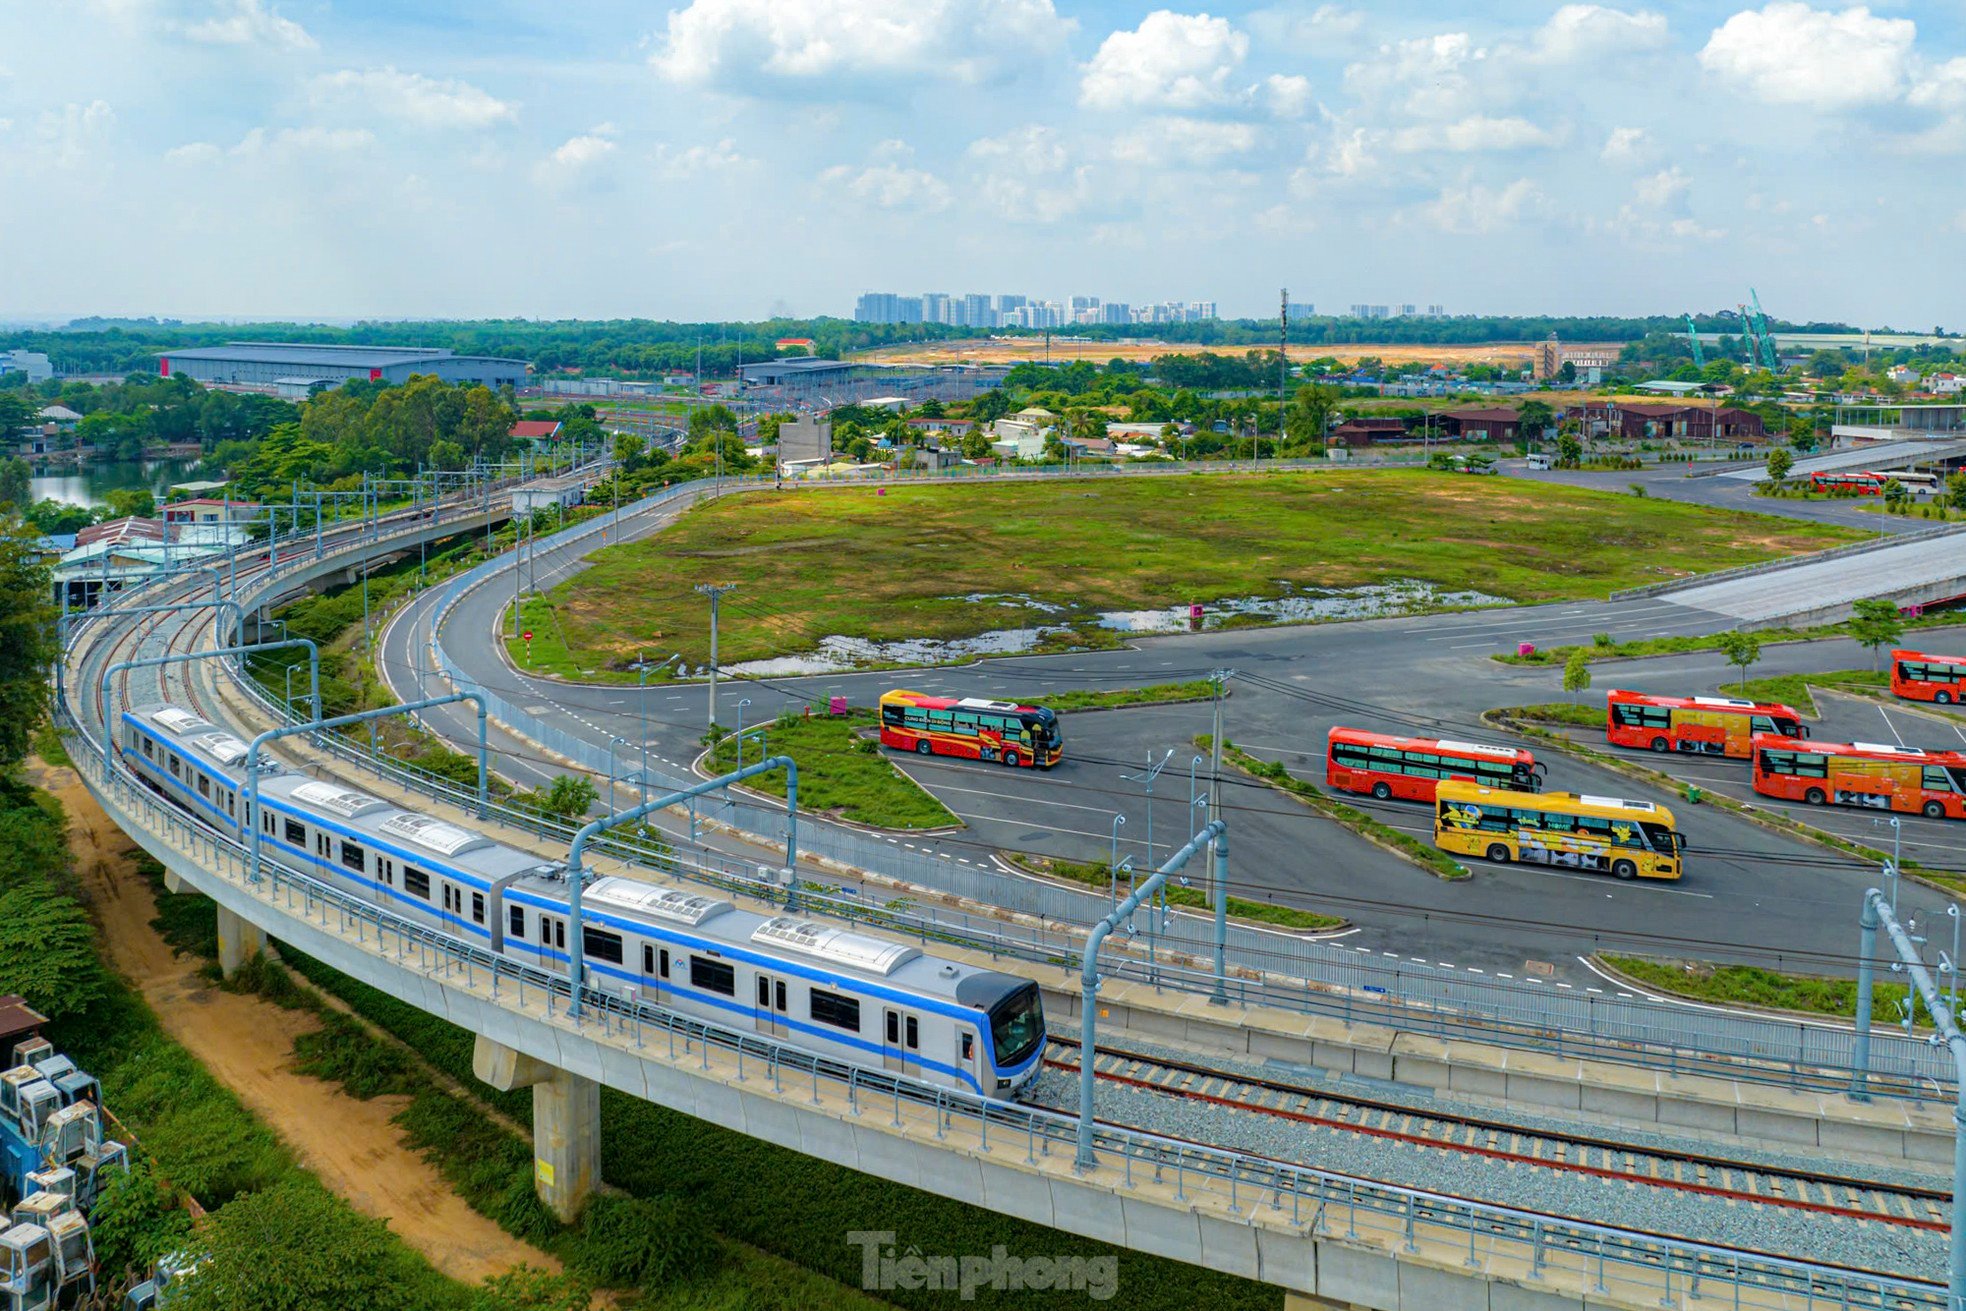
x=1875, y=624
x=1779, y=464
x=15, y=414
x=569, y=795
x=1956, y=491
x=294, y=1247
x=629, y=448
x=707, y=419
x=1577, y=672
x=15, y=482
x=48, y=952
x=1896, y=494
x=1741, y=649
x=446, y=455
x=1570, y=449
x=1308, y=417
x=27, y=638
x=1532, y=421
x=976, y=443
x=129, y=502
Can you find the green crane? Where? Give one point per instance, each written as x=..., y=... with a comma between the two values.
x=1693, y=339
x=1762, y=337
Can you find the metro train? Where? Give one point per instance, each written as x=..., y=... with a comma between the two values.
x=846, y=996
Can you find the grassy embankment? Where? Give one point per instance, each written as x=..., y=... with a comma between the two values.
x=1606, y=648
x=1793, y=689
x=1094, y=875
x=781, y=1216
x=1418, y=850
x=844, y=771
x=848, y=562
x=191, y=1130
x=1749, y=985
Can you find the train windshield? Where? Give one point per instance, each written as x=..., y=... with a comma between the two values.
x=1017, y=1025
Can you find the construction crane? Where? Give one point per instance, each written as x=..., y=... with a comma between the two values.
x=1693, y=339
x=1762, y=337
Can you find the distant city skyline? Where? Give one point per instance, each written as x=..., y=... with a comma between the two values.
x=723, y=159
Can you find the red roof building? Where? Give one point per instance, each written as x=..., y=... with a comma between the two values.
x=538, y=430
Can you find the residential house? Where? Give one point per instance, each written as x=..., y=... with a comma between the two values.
x=1634, y=421
x=1021, y=436
x=1945, y=384
x=1364, y=432
x=1475, y=425
x=536, y=430
x=958, y=428
x=212, y=510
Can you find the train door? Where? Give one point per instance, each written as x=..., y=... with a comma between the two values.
x=655, y=973
x=453, y=902
x=770, y=1009
x=902, y=1050
x=968, y=1057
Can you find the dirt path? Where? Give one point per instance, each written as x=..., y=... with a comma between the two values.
x=247, y=1044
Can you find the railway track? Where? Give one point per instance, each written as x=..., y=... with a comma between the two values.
x=1727, y=1179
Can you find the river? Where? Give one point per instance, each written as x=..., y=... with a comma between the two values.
x=91, y=486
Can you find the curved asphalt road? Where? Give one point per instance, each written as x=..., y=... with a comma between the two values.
x=1749, y=893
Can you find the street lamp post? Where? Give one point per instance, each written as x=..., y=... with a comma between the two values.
x=740, y=730
x=290, y=687
x=1191, y=778
x=1119, y=822
x=1147, y=777
x=1897, y=838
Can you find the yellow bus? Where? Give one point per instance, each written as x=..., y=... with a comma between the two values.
x=1631, y=839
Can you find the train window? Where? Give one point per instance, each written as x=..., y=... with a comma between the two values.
x=416, y=882
x=662, y=963
x=296, y=833
x=914, y=1035
x=602, y=945
x=323, y=844
x=831, y=1008
x=149, y=749
x=764, y=991
x=387, y=868
x=648, y=959
x=354, y=857
x=712, y=975
x=453, y=899
x=559, y=933
x=228, y=805
x=204, y=786
x=969, y=1045
x=477, y=908
x=516, y=921
x=893, y=1028
x=174, y=766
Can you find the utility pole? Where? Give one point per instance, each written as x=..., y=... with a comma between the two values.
x=715, y=591
x=1283, y=357
x=1221, y=679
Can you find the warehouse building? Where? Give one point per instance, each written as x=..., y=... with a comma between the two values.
x=287, y=366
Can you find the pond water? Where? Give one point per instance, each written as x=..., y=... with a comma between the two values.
x=91, y=485
x=1310, y=605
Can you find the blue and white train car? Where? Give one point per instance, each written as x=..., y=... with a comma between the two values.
x=848, y=996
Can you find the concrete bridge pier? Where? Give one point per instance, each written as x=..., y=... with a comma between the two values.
x=566, y=1123
x=239, y=940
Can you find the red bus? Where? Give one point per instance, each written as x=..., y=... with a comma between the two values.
x=1408, y=767
x=1920, y=677
x=1931, y=783
x=1699, y=725
x=972, y=728
x=1863, y=484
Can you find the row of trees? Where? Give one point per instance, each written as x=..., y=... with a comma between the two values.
x=122, y=419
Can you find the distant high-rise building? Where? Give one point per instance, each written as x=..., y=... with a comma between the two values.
x=1371, y=312
x=1436, y=311
x=1301, y=309
x=877, y=307
x=1082, y=303
x=1406, y=311
x=1115, y=311
x=907, y=309
x=1009, y=304
x=976, y=312
x=935, y=307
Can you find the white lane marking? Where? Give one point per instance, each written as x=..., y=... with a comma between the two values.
x=1883, y=715
x=1601, y=879
x=1035, y=801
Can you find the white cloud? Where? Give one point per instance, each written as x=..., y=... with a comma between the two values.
x=1171, y=61
x=194, y=153
x=1624, y=145
x=1027, y=175
x=674, y=165
x=1474, y=208
x=1576, y=33
x=72, y=133
x=411, y=98
x=1193, y=142
x=1662, y=190
x=890, y=186
x=303, y=140
x=1423, y=75
x=1942, y=88
x=1287, y=96
x=1474, y=134
x=246, y=23
x=825, y=44
x=1787, y=53
x=579, y=152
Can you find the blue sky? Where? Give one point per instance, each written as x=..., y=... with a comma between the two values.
x=737, y=158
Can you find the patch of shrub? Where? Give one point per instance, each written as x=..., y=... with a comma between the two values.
x=644, y=1242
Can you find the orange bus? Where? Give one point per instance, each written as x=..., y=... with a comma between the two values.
x=972, y=728
x=1862, y=483
x=1699, y=725
x=1920, y=677
x=1409, y=767
x=1931, y=783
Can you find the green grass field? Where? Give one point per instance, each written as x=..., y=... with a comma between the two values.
x=854, y=562
x=839, y=772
